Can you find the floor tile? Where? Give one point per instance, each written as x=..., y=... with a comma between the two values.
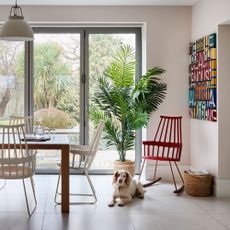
x=84, y=221
x=164, y=204
x=213, y=205
x=20, y=221
x=223, y=218
x=158, y=221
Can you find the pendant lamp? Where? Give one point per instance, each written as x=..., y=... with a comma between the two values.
x=16, y=28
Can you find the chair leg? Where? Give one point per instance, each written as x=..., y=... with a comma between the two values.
x=78, y=194
x=179, y=172
x=56, y=192
x=3, y=186
x=142, y=167
x=30, y=213
x=92, y=188
x=182, y=187
x=155, y=171
x=174, y=181
x=154, y=177
x=32, y=185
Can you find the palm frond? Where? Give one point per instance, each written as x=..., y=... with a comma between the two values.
x=154, y=71
x=122, y=69
x=96, y=115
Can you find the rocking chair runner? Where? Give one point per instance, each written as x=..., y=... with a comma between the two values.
x=166, y=146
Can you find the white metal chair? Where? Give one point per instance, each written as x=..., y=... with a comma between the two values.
x=85, y=155
x=16, y=160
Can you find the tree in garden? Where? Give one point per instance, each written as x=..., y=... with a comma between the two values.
x=101, y=48
x=7, y=68
x=53, y=79
x=51, y=75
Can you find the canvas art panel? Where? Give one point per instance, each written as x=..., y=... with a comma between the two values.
x=203, y=79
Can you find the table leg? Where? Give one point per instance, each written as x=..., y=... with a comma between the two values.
x=65, y=179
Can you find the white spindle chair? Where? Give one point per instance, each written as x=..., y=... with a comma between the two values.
x=86, y=155
x=17, y=161
x=27, y=120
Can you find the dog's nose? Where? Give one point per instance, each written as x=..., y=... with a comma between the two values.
x=120, y=181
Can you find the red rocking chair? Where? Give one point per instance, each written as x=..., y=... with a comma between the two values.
x=166, y=146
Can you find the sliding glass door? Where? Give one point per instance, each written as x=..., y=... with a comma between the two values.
x=63, y=71
x=56, y=86
x=102, y=46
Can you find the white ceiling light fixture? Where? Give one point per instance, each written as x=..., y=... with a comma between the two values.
x=16, y=28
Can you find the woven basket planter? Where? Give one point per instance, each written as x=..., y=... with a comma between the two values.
x=197, y=185
x=128, y=165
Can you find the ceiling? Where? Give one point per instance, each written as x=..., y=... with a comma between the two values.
x=102, y=2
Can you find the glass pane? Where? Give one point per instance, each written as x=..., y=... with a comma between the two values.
x=101, y=49
x=56, y=87
x=11, y=79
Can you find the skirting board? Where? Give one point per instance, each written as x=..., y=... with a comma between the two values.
x=222, y=188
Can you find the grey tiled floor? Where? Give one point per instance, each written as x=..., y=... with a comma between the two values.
x=160, y=209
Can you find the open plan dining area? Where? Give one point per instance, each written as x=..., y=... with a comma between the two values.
x=114, y=115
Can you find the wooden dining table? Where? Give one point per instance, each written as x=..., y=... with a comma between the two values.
x=59, y=142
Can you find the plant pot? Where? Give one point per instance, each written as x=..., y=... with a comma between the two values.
x=128, y=165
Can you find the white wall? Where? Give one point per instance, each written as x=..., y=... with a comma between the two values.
x=224, y=105
x=206, y=137
x=207, y=14
x=168, y=32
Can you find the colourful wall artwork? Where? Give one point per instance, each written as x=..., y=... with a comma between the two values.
x=203, y=79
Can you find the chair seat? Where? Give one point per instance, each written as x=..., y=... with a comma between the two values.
x=15, y=172
x=160, y=158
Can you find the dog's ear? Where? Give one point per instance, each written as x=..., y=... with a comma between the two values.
x=115, y=177
x=128, y=178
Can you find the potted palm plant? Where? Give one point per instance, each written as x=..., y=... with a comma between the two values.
x=123, y=104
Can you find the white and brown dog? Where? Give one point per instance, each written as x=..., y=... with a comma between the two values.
x=125, y=188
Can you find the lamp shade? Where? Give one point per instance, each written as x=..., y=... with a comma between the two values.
x=16, y=28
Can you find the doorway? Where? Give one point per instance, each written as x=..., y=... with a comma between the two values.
x=64, y=66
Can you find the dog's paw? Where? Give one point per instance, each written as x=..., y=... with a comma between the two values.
x=111, y=204
x=120, y=204
x=141, y=196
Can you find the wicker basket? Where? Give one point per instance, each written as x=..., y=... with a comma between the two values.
x=196, y=185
